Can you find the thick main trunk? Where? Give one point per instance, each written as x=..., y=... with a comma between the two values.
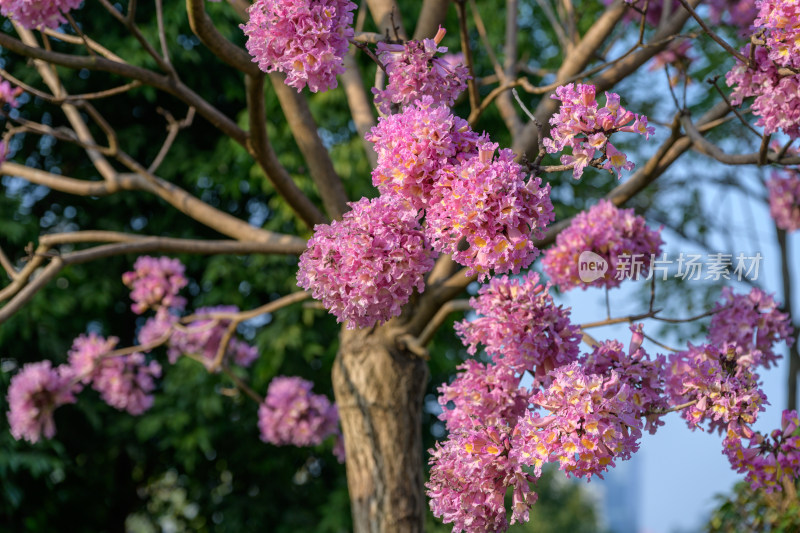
x=379, y=390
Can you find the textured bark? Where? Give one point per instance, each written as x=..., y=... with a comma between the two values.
x=379, y=390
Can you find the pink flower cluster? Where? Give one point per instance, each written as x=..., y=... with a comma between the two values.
x=469, y=476
x=773, y=78
x=643, y=375
x=725, y=391
x=585, y=128
x=155, y=282
x=415, y=71
x=780, y=21
x=415, y=145
x=305, y=39
x=521, y=327
x=769, y=460
x=749, y=325
x=9, y=94
x=32, y=14
x=34, y=393
x=608, y=232
x=125, y=382
x=784, y=199
x=593, y=422
x=482, y=395
x=485, y=213
x=364, y=267
x=201, y=338
x=292, y=414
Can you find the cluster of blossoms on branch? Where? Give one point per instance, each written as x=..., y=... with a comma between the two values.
x=304, y=39
x=771, y=75
x=292, y=414
x=586, y=128
x=476, y=205
x=587, y=412
x=784, y=199
x=608, y=232
x=414, y=70
x=126, y=378
x=32, y=14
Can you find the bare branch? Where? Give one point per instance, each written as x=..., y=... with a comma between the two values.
x=440, y=316
x=304, y=130
x=173, y=127
x=360, y=105
x=430, y=18
x=261, y=148
x=719, y=40
x=706, y=147
x=472, y=86
x=7, y=266
x=204, y=28
x=387, y=17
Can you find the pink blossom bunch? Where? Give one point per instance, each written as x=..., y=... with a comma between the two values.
x=610, y=233
x=414, y=71
x=593, y=421
x=155, y=282
x=125, y=382
x=644, y=376
x=9, y=94
x=485, y=214
x=768, y=460
x=780, y=22
x=32, y=14
x=202, y=338
x=585, y=128
x=482, y=395
x=784, y=199
x=725, y=394
x=304, y=39
x=292, y=414
x=33, y=394
x=364, y=267
x=413, y=146
x=521, y=327
x=470, y=474
x=777, y=96
x=750, y=324
x=158, y=329
x=86, y=352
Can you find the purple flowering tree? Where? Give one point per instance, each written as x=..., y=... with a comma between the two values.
x=451, y=207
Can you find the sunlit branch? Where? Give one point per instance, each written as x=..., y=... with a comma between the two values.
x=305, y=132
x=204, y=29
x=7, y=266
x=450, y=307
x=267, y=158
x=431, y=16
x=360, y=105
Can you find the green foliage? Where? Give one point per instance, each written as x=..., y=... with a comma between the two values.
x=754, y=511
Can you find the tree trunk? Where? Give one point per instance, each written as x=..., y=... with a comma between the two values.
x=379, y=390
